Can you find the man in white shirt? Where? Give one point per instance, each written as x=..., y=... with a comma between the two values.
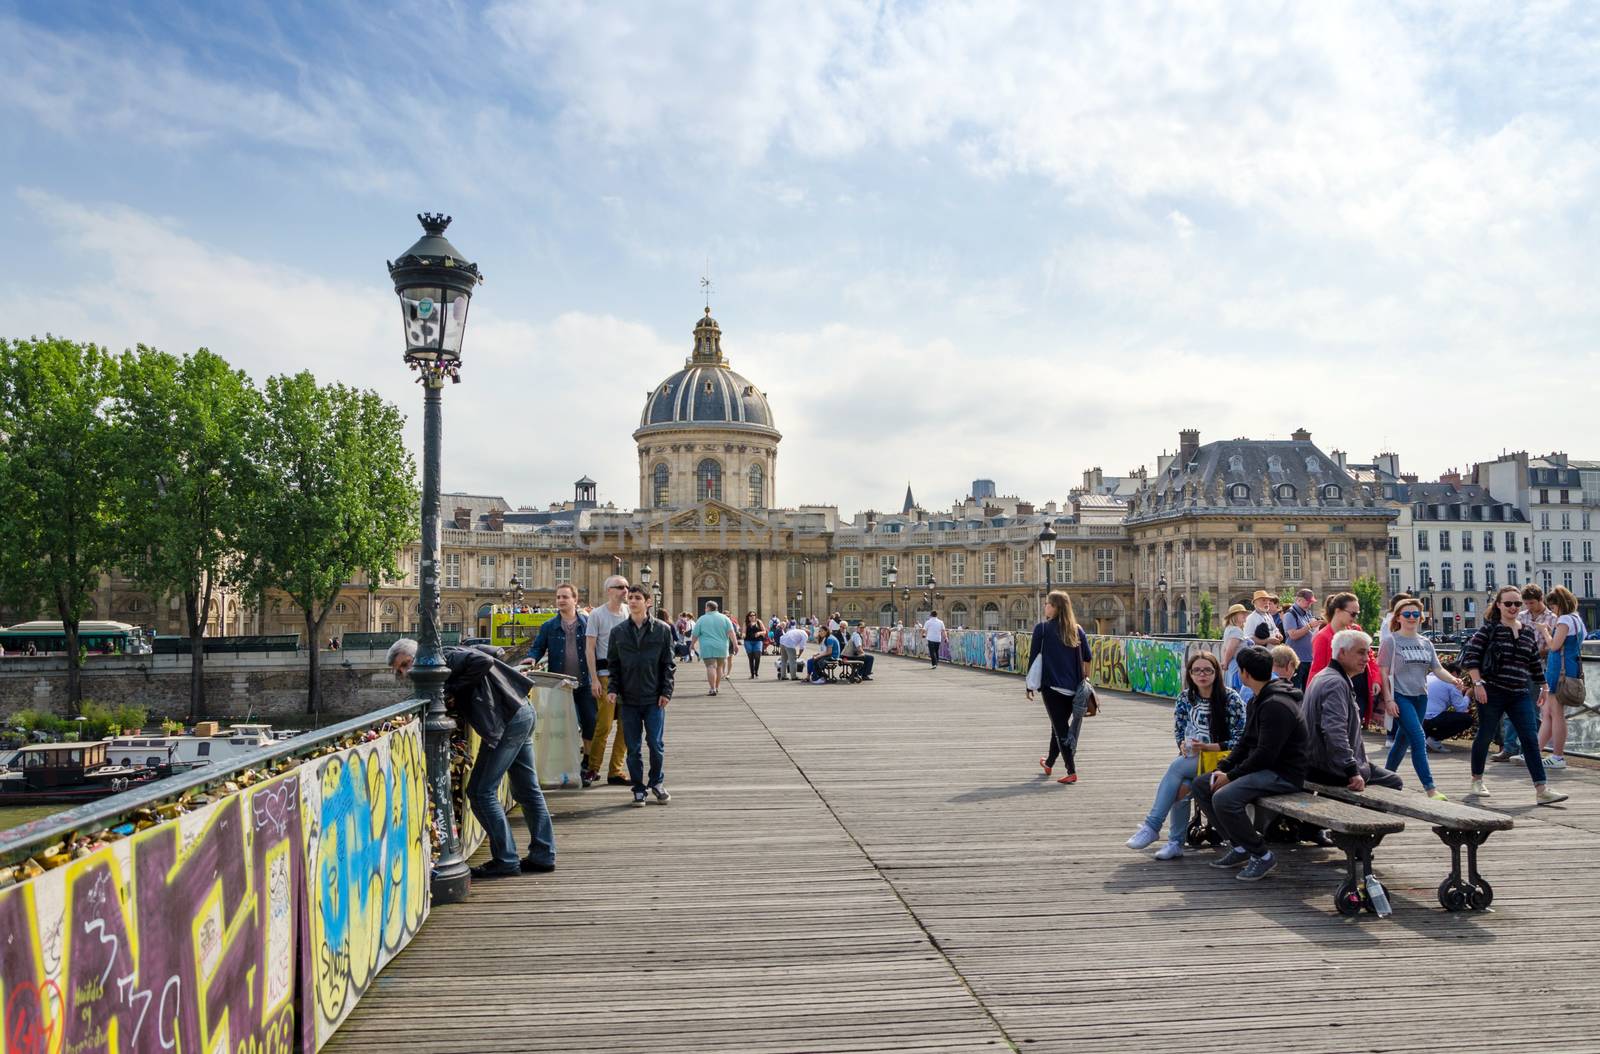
x=602, y=620
x=853, y=648
x=933, y=633
x=793, y=642
x=1262, y=614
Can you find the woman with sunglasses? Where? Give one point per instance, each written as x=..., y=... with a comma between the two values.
x=1406, y=658
x=1502, y=660
x=755, y=641
x=1205, y=704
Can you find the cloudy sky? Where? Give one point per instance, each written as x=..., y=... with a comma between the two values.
x=950, y=240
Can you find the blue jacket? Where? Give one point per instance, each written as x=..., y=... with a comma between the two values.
x=1060, y=666
x=552, y=642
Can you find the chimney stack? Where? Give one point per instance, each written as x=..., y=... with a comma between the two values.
x=1188, y=446
x=463, y=518
x=1300, y=435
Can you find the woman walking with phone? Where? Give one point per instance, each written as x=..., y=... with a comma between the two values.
x=1062, y=648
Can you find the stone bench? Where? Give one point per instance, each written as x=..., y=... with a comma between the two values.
x=1355, y=830
x=1456, y=825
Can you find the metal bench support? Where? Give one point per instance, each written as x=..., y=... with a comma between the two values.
x=1352, y=897
x=1474, y=892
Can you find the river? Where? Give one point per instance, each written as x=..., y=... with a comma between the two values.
x=17, y=815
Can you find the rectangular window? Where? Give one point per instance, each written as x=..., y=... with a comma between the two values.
x=1488, y=577
x=523, y=569
x=1446, y=576
x=1566, y=520
x=1544, y=521
x=1394, y=546
x=1444, y=541
x=958, y=569
x=563, y=566
x=1546, y=576
x=1423, y=577
x=452, y=571
x=991, y=568
x=1291, y=563
x=1588, y=552
x=1511, y=575
x=1063, y=568
x=1544, y=497
x=1544, y=552
x=1019, y=565
x=486, y=573
x=1566, y=552
x=1585, y=521
x=1394, y=580
x=795, y=569
x=1468, y=578
x=1511, y=541
x=1422, y=541
x=924, y=568
x=852, y=571
x=414, y=569
x=1566, y=581
x=1105, y=565
x=1488, y=541
x=1339, y=561
x=1588, y=583
x=884, y=563
x=1466, y=541
x=1244, y=560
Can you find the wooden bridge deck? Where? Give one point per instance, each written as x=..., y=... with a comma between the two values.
x=880, y=868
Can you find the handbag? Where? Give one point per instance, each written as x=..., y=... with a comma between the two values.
x=1083, y=699
x=1570, y=691
x=1035, y=673
x=1209, y=760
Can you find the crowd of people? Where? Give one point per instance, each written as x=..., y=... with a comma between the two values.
x=1293, y=691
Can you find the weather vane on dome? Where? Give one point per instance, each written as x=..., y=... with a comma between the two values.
x=705, y=284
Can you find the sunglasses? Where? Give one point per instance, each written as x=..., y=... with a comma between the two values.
x=1411, y=614
x=1510, y=603
x=623, y=588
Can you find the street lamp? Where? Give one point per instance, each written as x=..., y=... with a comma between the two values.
x=514, y=594
x=828, y=589
x=1161, y=587
x=1047, y=549
x=905, y=601
x=645, y=574
x=799, y=603
x=435, y=284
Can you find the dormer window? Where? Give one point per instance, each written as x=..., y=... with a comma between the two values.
x=1332, y=492
x=1286, y=492
x=1239, y=492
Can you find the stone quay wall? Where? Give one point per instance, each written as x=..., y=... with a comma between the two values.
x=268, y=688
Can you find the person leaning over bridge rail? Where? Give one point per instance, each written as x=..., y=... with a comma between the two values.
x=1204, y=704
x=493, y=700
x=641, y=687
x=1061, y=648
x=1270, y=757
x=1502, y=662
x=561, y=642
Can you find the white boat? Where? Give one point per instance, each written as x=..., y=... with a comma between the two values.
x=182, y=753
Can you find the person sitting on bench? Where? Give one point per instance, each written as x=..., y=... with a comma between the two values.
x=1270, y=757
x=1333, y=718
x=854, y=651
x=1449, y=710
x=817, y=663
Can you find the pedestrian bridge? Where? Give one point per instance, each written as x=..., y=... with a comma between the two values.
x=874, y=867
x=880, y=867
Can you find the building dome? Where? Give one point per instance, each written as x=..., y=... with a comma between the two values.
x=706, y=392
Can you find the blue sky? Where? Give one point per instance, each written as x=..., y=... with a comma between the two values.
x=949, y=240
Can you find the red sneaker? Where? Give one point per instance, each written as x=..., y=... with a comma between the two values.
x=1071, y=777
x=1044, y=766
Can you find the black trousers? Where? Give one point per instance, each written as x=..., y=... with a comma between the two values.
x=1448, y=725
x=1059, y=707
x=933, y=651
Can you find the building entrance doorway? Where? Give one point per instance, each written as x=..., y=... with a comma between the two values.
x=700, y=606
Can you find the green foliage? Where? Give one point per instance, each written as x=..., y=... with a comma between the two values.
x=170, y=727
x=31, y=721
x=336, y=498
x=1369, y=591
x=130, y=717
x=60, y=453
x=1205, y=619
x=186, y=488
x=98, y=721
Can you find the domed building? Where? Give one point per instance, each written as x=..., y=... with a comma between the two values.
x=706, y=434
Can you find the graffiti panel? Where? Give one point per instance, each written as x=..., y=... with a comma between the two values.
x=1108, y=668
x=1154, y=667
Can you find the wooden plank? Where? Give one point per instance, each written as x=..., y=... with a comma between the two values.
x=1449, y=814
x=1334, y=815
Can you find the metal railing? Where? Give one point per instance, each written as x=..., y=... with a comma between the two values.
x=21, y=842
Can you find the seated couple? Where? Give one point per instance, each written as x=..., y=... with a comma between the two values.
x=832, y=650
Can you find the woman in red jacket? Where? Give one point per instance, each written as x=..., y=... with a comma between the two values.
x=1343, y=610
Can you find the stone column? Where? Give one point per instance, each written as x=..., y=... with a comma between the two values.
x=769, y=587
x=666, y=586
x=735, y=609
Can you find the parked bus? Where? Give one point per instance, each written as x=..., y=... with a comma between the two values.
x=98, y=638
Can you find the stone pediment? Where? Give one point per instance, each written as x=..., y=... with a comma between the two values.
x=717, y=516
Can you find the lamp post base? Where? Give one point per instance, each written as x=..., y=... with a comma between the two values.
x=452, y=878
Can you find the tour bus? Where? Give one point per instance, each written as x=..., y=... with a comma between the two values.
x=98, y=638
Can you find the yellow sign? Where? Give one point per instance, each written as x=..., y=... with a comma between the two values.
x=713, y=517
x=507, y=630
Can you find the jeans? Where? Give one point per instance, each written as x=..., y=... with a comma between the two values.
x=1179, y=775
x=1226, y=807
x=933, y=652
x=588, y=712
x=1062, y=740
x=1524, y=717
x=1409, y=733
x=788, y=664
x=512, y=757
x=866, y=664
x=638, y=724
x=752, y=653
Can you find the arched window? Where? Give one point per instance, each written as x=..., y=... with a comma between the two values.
x=886, y=615
x=1286, y=492
x=1332, y=492
x=1239, y=492
x=758, y=487
x=958, y=615
x=991, y=615
x=708, y=480
x=658, y=486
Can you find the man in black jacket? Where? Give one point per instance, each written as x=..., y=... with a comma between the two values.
x=1270, y=758
x=492, y=698
x=640, y=659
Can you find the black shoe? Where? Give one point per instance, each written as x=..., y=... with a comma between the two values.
x=618, y=781
x=485, y=872
x=530, y=867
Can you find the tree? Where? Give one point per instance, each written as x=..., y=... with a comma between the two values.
x=1204, y=618
x=59, y=456
x=185, y=494
x=1369, y=591
x=335, y=498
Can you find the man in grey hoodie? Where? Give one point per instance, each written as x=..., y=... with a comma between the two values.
x=1333, y=720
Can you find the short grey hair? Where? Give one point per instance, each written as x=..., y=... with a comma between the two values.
x=404, y=646
x=711, y=605
x=1346, y=639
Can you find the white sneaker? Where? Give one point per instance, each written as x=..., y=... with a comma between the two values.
x=1478, y=790
x=1436, y=747
x=1170, y=851
x=1142, y=837
x=1546, y=796
x=1555, y=761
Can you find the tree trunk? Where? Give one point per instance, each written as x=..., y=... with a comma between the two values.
x=197, y=656
x=314, y=675
x=74, y=682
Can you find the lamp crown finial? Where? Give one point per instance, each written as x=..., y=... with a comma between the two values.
x=433, y=222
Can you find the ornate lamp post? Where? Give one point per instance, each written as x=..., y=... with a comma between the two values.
x=893, y=575
x=1047, y=549
x=645, y=575
x=799, y=604
x=828, y=589
x=1161, y=587
x=435, y=285
x=905, y=600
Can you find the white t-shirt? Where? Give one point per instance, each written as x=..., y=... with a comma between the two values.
x=794, y=639
x=601, y=623
x=1257, y=618
x=832, y=625
x=933, y=630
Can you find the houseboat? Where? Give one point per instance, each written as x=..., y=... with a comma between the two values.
x=67, y=773
x=209, y=745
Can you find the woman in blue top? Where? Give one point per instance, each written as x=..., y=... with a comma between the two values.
x=1062, y=648
x=1205, y=704
x=1564, y=644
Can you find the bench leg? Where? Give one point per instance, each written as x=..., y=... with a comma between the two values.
x=1351, y=896
x=1474, y=892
